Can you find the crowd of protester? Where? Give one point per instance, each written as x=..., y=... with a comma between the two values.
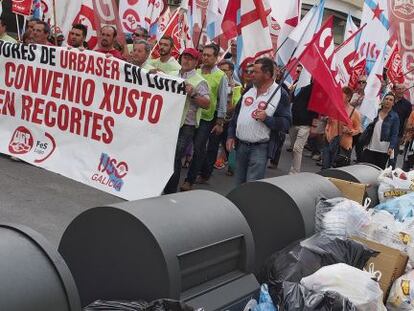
x=240, y=118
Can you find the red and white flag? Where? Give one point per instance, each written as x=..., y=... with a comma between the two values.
x=317, y=59
x=249, y=21
x=345, y=55
x=72, y=12
x=22, y=7
x=106, y=14
x=132, y=14
x=178, y=30
x=394, y=65
x=358, y=70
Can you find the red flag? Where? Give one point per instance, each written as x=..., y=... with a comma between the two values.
x=317, y=58
x=357, y=71
x=394, y=65
x=107, y=15
x=22, y=7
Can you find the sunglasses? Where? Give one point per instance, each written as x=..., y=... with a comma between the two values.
x=362, y=82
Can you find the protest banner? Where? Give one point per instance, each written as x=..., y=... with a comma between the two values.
x=95, y=119
x=22, y=7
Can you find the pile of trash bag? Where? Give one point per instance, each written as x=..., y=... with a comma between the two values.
x=394, y=183
x=305, y=258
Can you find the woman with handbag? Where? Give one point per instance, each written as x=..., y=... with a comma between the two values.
x=380, y=138
x=338, y=145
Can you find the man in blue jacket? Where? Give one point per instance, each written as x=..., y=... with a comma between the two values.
x=261, y=116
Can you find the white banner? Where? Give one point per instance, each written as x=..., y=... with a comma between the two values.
x=98, y=120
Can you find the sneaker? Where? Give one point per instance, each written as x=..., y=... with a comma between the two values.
x=316, y=157
x=219, y=164
x=186, y=186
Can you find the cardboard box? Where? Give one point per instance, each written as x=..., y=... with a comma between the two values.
x=350, y=190
x=390, y=262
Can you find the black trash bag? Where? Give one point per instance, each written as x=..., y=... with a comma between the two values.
x=303, y=259
x=156, y=305
x=333, y=251
x=299, y=298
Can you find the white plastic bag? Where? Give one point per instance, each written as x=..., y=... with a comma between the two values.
x=341, y=218
x=394, y=183
x=350, y=282
x=385, y=229
x=401, y=296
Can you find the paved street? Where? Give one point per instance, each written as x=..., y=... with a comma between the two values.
x=47, y=202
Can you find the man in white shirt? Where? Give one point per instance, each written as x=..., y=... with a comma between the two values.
x=261, y=115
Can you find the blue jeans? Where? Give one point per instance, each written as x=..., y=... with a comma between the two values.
x=329, y=152
x=200, y=141
x=251, y=162
x=185, y=137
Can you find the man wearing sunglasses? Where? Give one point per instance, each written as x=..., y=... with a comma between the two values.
x=260, y=116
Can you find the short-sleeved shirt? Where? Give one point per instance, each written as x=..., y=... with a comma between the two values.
x=168, y=67
x=201, y=90
x=248, y=128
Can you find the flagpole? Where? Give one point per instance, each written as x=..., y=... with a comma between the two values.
x=54, y=21
x=203, y=24
x=18, y=27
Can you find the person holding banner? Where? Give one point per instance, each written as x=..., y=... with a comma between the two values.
x=41, y=32
x=166, y=62
x=212, y=120
x=197, y=98
x=140, y=53
x=107, y=43
x=261, y=115
x=77, y=36
x=3, y=32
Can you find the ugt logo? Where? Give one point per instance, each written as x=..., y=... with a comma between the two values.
x=21, y=141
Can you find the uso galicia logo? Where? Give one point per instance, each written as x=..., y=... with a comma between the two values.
x=403, y=9
x=111, y=172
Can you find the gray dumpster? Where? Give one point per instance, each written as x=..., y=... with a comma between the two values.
x=363, y=173
x=281, y=210
x=33, y=275
x=195, y=246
